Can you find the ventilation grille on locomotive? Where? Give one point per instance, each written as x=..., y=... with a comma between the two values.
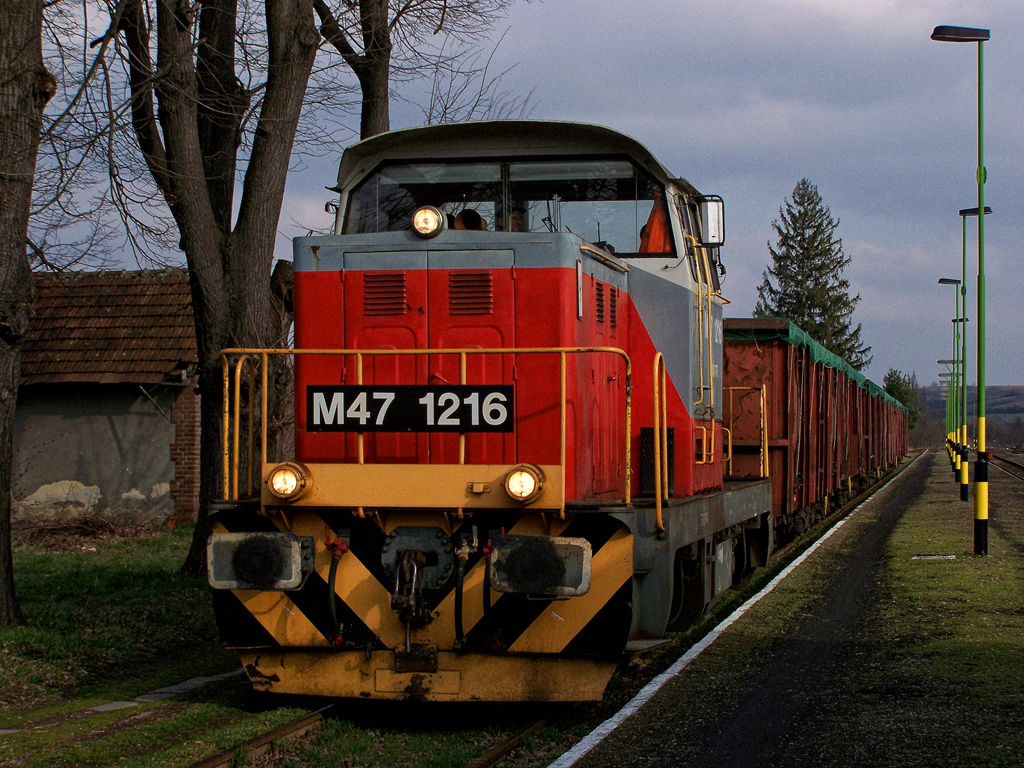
x=470, y=293
x=384, y=294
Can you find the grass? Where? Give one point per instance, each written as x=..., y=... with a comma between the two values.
x=340, y=743
x=933, y=676
x=114, y=620
x=944, y=646
x=107, y=620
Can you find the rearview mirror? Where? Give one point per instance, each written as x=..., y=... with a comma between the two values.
x=712, y=220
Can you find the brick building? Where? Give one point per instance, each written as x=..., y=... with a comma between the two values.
x=107, y=401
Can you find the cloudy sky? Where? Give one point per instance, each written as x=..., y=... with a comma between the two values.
x=746, y=97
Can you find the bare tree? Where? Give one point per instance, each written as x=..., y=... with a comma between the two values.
x=76, y=218
x=462, y=87
x=25, y=88
x=385, y=42
x=95, y=195
x=188, y=108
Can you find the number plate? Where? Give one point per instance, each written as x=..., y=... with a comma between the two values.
x=406, y=408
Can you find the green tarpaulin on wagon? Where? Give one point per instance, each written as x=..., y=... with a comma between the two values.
x=784, y=330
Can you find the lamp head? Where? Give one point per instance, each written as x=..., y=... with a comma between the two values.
x=947, y=34
x=974, y=211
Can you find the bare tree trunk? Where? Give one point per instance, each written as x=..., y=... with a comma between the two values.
x=375, y=72
x=193, y=159
x=372, y=67
x=25, y=88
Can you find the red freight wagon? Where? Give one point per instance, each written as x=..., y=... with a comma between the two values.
x=826, y=428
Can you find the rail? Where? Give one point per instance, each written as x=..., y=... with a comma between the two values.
x=236, y=361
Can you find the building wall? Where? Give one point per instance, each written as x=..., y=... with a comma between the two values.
x=110, y=439
x=185, y=453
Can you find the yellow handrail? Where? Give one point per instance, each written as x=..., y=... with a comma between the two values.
x=705, y=330
x=762, y=425
x=711, y=356
x=660, y=438
x=700, y=318
x=703, y=443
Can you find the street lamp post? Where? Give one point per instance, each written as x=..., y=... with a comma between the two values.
x=958, y=363
x=965, y=458
x=973, y=35
x=945, y=389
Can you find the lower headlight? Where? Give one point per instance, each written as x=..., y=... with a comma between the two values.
x=524, y=483
x=288, y=481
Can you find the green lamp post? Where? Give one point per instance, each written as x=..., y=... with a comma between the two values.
x=957, y=364
x=951, y=34
x=964, y=445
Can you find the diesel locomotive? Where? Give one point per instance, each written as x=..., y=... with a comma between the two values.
x=514, y=453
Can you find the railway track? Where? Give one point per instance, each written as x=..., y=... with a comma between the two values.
x=498, y=751
x=260, y=744
x=1010, y=467
x=306, y=724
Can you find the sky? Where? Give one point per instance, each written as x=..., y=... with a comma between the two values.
x=744, y=98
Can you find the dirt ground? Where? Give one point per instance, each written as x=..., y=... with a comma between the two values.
x=889, y=646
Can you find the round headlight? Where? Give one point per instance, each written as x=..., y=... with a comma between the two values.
x=287, y=481
x=524, y=482
x=428, y=221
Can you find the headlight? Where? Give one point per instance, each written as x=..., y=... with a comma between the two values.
x=524, y=483
x=288, y=481
x=428, y=221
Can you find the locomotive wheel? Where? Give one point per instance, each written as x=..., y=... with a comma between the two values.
x=688, y=587
x=754, y=548
x=741, y=556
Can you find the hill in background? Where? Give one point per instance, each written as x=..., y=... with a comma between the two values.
x=1004, y=417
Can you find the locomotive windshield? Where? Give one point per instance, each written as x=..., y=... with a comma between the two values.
x=606, y=201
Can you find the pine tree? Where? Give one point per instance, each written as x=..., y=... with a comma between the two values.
x=804, y=282
x=903, y=387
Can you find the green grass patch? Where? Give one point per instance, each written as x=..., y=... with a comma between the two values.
x=431, y=736
x=164, y=735
x=113, y=622
x=940, y=679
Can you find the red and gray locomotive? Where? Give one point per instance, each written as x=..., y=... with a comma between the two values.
x=511, y=438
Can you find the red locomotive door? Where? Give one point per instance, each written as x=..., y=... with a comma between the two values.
x=386, y=309
x=472, y=307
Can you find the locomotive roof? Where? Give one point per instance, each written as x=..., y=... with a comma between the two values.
x=497, y=138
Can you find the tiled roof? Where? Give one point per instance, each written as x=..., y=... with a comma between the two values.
x=110, y=327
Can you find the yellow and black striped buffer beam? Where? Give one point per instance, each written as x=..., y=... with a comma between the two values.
x=596, y=623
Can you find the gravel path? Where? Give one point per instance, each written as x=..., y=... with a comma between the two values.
x=752, y=710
